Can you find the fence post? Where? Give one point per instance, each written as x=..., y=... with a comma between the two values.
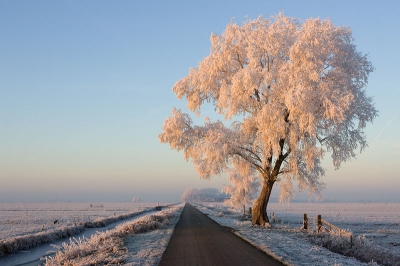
x=305, y=221
x=250, y=210
x=319, y=219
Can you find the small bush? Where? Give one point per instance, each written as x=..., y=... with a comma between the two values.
x=219, y=214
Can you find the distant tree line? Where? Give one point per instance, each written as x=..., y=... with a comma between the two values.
x=202, y=194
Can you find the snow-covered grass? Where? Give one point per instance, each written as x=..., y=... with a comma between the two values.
x=375, y=228
x=67, y=225
x=18, y=243
x=287, y=241
x=115, y=246
x=17, y=219
x=362, y=249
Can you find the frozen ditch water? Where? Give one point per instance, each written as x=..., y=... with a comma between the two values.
x=32, y=256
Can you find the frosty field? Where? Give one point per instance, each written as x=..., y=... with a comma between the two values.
x=376, y=224
x=379, y=222
x=17, y=219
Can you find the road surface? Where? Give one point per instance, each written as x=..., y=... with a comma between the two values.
x=199, y=240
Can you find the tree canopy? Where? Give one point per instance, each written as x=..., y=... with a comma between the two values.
x=292, y=90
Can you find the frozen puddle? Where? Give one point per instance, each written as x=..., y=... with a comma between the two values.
x=32, y=256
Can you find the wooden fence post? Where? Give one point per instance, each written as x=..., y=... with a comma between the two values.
x=249, y=210
x=305, y=221
x=319, y=219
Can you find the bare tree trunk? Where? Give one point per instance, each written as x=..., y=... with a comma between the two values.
x=259, y=215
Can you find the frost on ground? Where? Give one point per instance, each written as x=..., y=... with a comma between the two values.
x=362, y=248
x=288, y=242
x=24, y=242
x=123, y=245
x=18, y=219
x=147, y=249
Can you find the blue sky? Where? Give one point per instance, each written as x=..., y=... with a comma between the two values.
x=86, y=85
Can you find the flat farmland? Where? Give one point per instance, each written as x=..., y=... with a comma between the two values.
x=17, y=219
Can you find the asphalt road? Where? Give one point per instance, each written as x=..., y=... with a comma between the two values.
x=198, y=240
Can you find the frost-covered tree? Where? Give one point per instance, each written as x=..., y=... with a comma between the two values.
x=190, y=194
x=193, y=194
x=241, y=190
x=136, y=199
x=292, y=90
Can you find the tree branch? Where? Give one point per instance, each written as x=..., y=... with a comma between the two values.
x=321, y=140
x=258, y=167
x=253, y=153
